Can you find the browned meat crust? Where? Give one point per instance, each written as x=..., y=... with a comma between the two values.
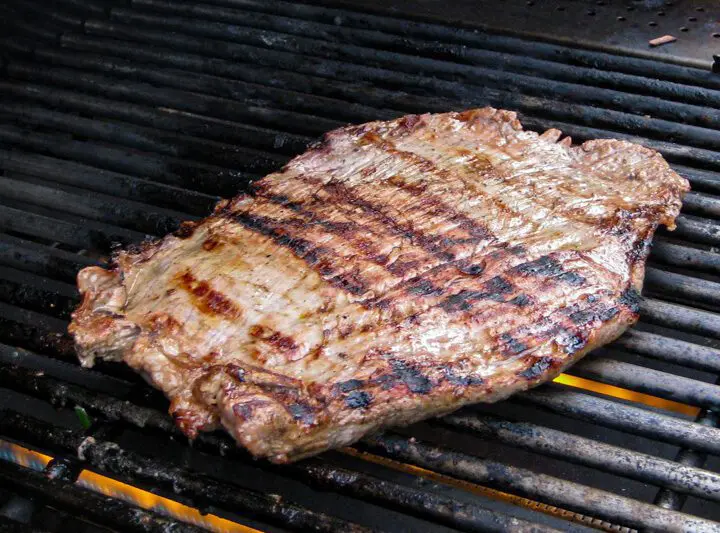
x=395, y=271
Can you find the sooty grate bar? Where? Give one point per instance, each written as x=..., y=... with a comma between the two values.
x=119, y=120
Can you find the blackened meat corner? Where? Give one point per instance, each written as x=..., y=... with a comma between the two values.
x=395, y=271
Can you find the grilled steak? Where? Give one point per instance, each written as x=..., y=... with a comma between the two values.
x=395, y=271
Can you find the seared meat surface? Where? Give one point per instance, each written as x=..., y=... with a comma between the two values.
x=395, y=271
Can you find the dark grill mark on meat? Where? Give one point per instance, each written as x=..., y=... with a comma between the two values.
x=302, y=412
x=285, y=202
x=472, y=269
x=571, y=278
x=545, y=266
x=512, y=345
x=464, y=380
x=412, y=377
x=206, y=299
x=430, y=243
x=494, y=289
x=537, y=368
x=630, y=298
x=358, y=400
x=304, y=249
x=423, y=287
x=641, y=248
x=282, y=342
x=441, y=209
x=460, y=301
x=349, y=385
x=521, y=300
x=571, y=341
x=368, y=242
x=586, y=316
x=352, y=282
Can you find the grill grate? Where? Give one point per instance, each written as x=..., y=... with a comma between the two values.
x=117, y=122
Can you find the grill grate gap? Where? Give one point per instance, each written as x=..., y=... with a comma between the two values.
x=119, y=121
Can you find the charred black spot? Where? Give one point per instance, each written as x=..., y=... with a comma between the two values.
x=582, y=317
x=285, y=202
x=497, y=287
x=337, y=227
x=358, y=399
x=472, y=269
x=385, y=381
x=521, y=300
x=238, y=373
x=630, y=298
x=423, y=287
x=545, y=266
x=301, y=412
x=537, y=368
x=608, y=313
x=498, y=284
x=412, y=377
x=349, y=385
x=459, y=301
x=494, y=289
x=513, y=345
x=462, y=380
x=350, y=283
x=640, y=249
x=571, y=278
x=572, y=342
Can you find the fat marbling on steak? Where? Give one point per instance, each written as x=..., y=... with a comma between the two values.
x=396, y=271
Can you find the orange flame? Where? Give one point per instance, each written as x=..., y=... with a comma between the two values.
x=164, y=506
x=625, y=394
x=122, y=491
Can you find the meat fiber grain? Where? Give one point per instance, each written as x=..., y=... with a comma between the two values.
x=395, y=271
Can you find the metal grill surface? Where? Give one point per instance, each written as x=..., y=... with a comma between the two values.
x=117, y=122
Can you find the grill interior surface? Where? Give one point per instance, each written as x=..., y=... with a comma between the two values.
x=118, y=121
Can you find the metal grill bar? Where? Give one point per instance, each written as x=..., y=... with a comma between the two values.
x=625, y=462
x=430, y=103
x=408, y=26
x=383, y=77
x=87, y=504
x=621, y=461
x=165, y=119
x=641, y=379
x=105, y=181
x=678, y=285
x=144, y=109
x=671, y=350
x=668, y=499
x=346, y=28
x=32, y=257
x=681, y=317
x=370, y=47
x=684, y=256
x=109, y=457
x=625, y=418
x=537, y=486
x=175, y=145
